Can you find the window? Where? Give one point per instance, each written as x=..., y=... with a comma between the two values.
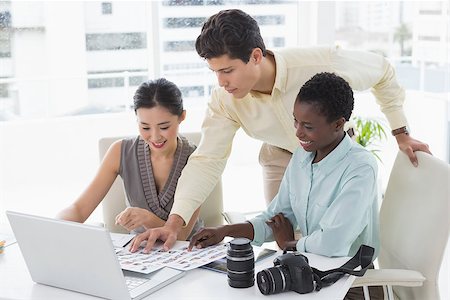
x=429, y=38
x=189, y=2
x=5, y=19
x=116, y=41
x=105, y=82
x=137, y=80
x=429, y=12
x=183, y=22
x=278, y=42
x=5, y=43
x=106, y=8
x=187, y=66
x=431, y=8
x=109, y=82
x=178, y=46
x=120, y=42
x=5, y=37
x=405, y=32
x=269, y=20
x=4, y=91
x=192, y=91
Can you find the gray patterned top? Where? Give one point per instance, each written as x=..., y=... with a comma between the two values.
x=137, y=174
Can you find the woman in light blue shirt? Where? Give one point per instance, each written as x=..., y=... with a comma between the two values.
x=329, y=189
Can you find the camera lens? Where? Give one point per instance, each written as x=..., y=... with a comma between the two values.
x=240, y=263
x=273, y=280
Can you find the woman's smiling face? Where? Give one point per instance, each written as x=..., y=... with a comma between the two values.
x=158, y=127
x=313, y=130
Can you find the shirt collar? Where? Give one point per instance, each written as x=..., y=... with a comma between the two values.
x=281, y=72
x=328, y=163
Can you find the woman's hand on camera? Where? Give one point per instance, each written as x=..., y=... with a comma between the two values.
x=206, y=237
x=282, y=230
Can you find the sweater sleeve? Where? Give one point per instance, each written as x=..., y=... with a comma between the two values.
x=206, y=164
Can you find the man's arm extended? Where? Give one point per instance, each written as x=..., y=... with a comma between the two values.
x=365, y=70
x=199, y=176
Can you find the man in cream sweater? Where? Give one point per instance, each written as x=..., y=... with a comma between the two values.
x=257, y=91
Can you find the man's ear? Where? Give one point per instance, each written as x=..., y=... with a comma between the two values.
x=256, y=56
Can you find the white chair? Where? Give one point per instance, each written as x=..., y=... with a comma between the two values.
x=414, y=230
x=114, y=201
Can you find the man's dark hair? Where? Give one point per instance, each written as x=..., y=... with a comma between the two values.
x=330, y=94
x=231, y=32
x=159, y=92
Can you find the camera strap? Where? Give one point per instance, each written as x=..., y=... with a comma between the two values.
x=362, y=258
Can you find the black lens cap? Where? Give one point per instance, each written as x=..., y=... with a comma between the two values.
x=240, y=243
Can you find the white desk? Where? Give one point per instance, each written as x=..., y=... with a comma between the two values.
x=16, y=283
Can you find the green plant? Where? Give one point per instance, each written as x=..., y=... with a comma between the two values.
x=368, y=133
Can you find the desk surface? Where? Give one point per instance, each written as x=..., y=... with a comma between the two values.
x=16, y=283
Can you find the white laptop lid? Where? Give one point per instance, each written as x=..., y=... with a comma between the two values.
x=76, y=257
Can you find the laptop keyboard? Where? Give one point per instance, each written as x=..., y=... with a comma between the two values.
x=134, y=282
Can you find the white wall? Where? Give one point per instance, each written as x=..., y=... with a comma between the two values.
x=65, y=56
x=27, y=14
x=48, y=48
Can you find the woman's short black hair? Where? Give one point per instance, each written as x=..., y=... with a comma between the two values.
x=331, y=94
x=159, y=92
x=231, y=32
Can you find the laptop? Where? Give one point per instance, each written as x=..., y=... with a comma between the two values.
x=81, y=258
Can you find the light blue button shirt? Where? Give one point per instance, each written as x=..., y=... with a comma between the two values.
x=332, y=202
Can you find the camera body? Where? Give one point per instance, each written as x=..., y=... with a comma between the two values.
x=291, y=271
x=302, y=276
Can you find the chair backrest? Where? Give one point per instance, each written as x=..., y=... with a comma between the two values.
x=114, y=202
x=414, y=221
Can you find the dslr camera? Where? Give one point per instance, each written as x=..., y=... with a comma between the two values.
x=291, y=272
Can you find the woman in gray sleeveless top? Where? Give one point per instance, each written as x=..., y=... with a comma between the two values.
x=149, y=164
